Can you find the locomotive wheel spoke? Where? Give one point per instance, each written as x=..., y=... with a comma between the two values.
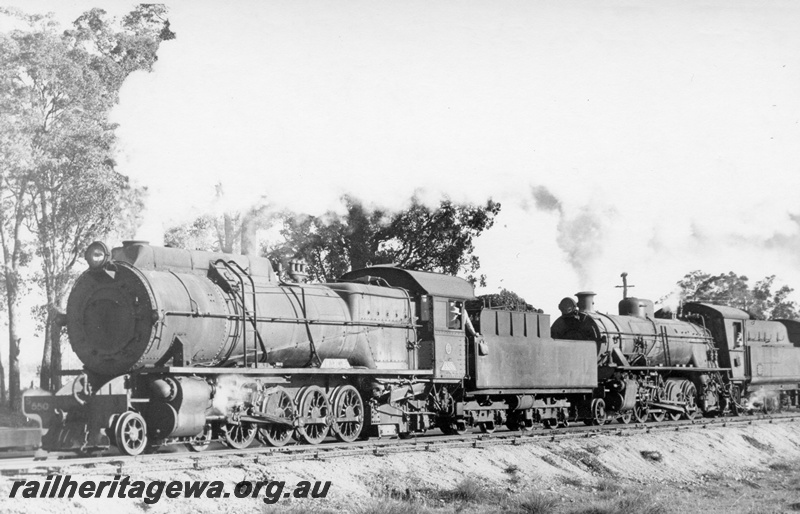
x=239, y=435
x=690, y=399
x=640, y=413
x=314, y=410
x=348, y=413
x=626, y=417
x=130, y=433
x=279, y=404
x=599, y=414
x=658, y=417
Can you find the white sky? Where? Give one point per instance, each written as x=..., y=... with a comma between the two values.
x=668, y=131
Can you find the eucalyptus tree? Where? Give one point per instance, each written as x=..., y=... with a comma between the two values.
x=420, y=237
x=59, y=87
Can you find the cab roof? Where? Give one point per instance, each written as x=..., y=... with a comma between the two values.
x=419, y=282
x=715, y=310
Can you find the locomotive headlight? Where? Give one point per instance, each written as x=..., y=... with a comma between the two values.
x=97, y=255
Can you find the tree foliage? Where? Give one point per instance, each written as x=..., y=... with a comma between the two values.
x=229, y=232
x=58, y=89
x=419, y=237
x=505, y=299
x=734, y=290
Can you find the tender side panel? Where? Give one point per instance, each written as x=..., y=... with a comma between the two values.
x=516, y=356
x=774, y=364
x=766, y=332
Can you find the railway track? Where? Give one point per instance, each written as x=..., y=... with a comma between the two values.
x=118, y=464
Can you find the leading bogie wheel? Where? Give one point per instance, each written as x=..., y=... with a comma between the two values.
x=130, y=433
x=278, y=404
x=112, y=424
x=315, y=414
x=348, y=414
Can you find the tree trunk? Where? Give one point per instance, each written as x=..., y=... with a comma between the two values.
x=3, y=397
x=14, y=340
x=45, y=375
x=228, y=234
x=53, y=321
x=249, y=225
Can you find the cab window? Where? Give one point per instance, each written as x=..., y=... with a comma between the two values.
x=738, y=336
x=454, y=315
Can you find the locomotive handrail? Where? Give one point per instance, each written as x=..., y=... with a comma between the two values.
x=256, y=332
x=656, y=335
x=244, y=306
x=192, y=301
x=295, y=320
x=670, y=368
x=665, y=344
x=311, y=345
x=240, y=273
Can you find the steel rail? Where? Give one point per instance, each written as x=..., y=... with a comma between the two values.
x=119, y=464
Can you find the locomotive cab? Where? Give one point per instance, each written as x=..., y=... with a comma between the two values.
x=763, y=356
x=440, y=314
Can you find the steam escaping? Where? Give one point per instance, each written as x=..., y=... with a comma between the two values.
x=580, y=234
x=231, y=390
x=671, y=302
x=762, y=400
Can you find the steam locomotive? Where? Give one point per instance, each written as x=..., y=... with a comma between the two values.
x=189, y=347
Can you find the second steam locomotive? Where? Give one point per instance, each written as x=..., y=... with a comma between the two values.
x=189, y=347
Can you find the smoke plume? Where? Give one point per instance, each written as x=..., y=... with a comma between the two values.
x=580, y=234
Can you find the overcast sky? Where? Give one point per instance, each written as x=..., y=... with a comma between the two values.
x=649, y=137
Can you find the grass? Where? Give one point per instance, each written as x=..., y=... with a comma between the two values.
x=633, y=503
x=295, y=508
x=470, y=490
x=746, y=491
x=571, y=481
x=607, y=486
x=393, y=507
x=781, y=466
x=533, y=503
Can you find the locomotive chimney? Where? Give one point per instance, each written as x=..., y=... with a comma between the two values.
x=585, y=301
x=297, y=270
